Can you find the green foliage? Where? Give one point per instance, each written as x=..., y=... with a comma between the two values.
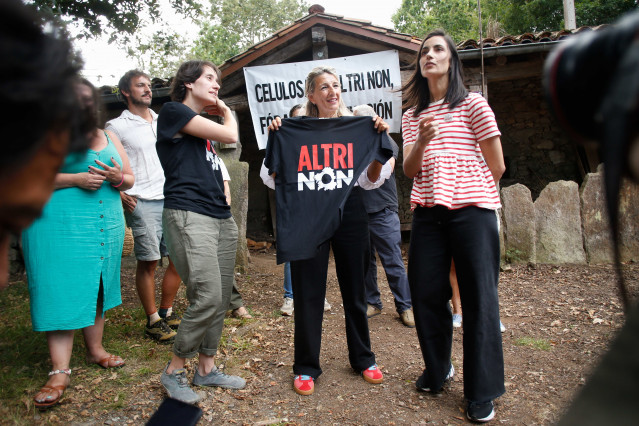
x=216, y=43
x=520, y=16
x=226, y=30
x=460, y=18
x=120, y=17
x=234, y=25
x=457, y=17
x=159, y=54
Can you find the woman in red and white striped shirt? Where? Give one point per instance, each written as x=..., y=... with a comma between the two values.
x=452, y=150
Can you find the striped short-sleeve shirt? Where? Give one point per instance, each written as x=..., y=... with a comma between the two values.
x=454, y=173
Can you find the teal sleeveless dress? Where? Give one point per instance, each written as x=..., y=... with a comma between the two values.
x=74, y=245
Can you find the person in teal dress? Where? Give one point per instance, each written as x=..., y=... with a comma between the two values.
x=73, y=252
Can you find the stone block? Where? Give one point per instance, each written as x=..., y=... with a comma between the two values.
x=594, y=219
x=558, y=224
x=518, y=224
x=238, y=170
x=629, y=222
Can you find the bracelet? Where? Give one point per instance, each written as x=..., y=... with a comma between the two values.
x=121, y=182
x=66, y=371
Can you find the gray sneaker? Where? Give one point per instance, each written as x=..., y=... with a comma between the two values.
x=219, y=379
x=177, y=386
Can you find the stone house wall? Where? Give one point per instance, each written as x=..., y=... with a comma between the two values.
x=536, y=150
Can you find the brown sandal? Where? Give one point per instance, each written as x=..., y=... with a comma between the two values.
x=111, y=361
x=51, y=391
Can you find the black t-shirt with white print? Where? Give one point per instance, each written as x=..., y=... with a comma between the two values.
x=317, y=162
x=191, y=166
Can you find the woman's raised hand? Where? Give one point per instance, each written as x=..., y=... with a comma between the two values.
x=276, y=123
x=380, y=124
x=218, y=109
x=112, y=174
x=428, y=129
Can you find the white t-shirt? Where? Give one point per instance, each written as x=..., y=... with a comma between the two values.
x=138, y=137
x=225, y=172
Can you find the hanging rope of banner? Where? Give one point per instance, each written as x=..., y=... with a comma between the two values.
x=481, y=49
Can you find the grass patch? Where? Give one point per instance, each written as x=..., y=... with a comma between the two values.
x=541, y=344
x=25, y=362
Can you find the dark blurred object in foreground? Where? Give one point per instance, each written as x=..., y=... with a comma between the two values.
x=173, y=412
x=592, y=84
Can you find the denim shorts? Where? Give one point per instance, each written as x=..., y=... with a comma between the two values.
x=146, y=225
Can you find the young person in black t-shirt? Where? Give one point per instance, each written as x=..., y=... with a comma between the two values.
x=200, y=232
x=350, y=245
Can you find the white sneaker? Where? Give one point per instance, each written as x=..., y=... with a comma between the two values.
x=501, y=326
x=327, y=306
x=287, y=307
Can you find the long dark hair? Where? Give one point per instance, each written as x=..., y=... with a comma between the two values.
x=416, y=92
x=188, y=72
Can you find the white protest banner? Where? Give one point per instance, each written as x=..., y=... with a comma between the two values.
x=366, y=79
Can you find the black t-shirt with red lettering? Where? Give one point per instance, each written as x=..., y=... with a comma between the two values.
x=317, y=162
x=191, y=166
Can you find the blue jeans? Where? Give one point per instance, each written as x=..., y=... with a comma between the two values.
x=288, y=285
x=386, y=239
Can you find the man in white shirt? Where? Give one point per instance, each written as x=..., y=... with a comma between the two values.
x=137, y=129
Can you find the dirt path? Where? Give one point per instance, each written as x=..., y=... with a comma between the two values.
x=559, y=321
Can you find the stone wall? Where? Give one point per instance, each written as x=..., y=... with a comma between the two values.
x=536, y=150
x=567, y=223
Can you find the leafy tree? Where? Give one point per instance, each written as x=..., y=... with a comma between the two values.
x=216, y=43
x=457, y=17
x=159, y=54
x=121, y=18
x=229, y=27
x=234, y=25
x=520, y=16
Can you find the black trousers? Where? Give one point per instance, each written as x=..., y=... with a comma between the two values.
x=350, y=245
x=469, y=236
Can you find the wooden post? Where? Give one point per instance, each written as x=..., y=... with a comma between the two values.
x=320, y=49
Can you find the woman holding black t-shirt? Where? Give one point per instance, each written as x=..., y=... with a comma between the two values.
x=350, y=246
x=200, y=233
